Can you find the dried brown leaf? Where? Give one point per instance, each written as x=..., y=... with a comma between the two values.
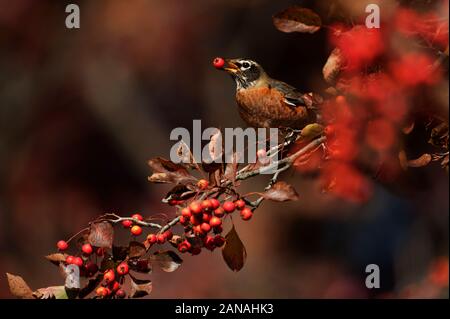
x=234, y=252
x=166, y=171
x=297, y=19
x=168, y=260
x=136, y=249
x=423, y=160
x=101, y=235
x=281, y=192
x=19, y=287
x=56, y=258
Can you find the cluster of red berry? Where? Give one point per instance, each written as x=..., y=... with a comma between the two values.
x=203, y=220
x=112, y=280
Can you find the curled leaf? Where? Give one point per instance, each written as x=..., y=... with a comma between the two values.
x=57, y=258
x=333, y=66
x=19, y=287
x=281, y=192
x=423, y=160
x=234, y=252
x=297, y=19
x=166, y=171
x=140, y=287
x=101, y=235
x=168, y=260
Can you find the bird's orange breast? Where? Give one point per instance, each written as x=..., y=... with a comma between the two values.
x=266, y=107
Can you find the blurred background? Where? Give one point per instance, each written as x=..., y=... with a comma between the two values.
x=82, y=110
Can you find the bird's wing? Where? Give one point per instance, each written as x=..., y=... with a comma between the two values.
x=292, y=96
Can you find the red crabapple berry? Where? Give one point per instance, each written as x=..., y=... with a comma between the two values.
x=184, y=221
x=136, y=230
x=215, y=221
x=206, y=217
x=209, y=243
x=184, y=246
x=240, y=204
x=138, y=217
x=109, y=276
x=219, y=241
x=78, y=261
x=195, y=207
x=160, y=238
x=205, y=227
x=202, y=184
x=214, y=203
x=62, y=245
x=120, y=294
x=198, y=230
x=195, y=250
x=229, y=207
x=101, y=292
x=87, y=249
x=115, y=286
x=168, y=234
x=195, y=221
x=91, y=268
x=151, y=238
x=219, y=212
x=206, y=205
x=123, y=268
x=218, y=63
x=246, y=213
x=69, y=260
x=127, y=223
x=186, y=212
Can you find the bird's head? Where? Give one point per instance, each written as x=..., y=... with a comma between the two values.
x=245, y=72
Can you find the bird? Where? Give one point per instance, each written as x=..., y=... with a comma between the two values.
x=266, y=102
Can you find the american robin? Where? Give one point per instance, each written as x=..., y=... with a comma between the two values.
x=266, y=102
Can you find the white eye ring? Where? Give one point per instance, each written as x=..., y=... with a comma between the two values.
x=245, y=65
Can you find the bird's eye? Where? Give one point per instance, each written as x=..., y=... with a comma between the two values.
x=245, y=65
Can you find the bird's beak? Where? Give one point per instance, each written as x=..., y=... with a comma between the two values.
x=231, y=67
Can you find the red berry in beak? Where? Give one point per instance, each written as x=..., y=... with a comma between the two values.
x=62, y=245
x=218, y=63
